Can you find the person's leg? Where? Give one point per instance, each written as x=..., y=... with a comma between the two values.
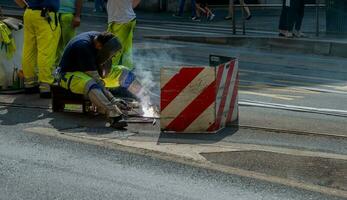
x=113, y=79
x=245, y=7
x=48, y=35
x=124, y=33
x=96, y=5
x=199, y=9
x=230, y=10
x=181, y=7
x=67, y=33
x=193, y=8
x=283, y=24
x=300, y=15
x=81, y=83
x=29, y=54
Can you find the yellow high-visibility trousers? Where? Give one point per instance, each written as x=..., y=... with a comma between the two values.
x=39, y=50
x=76, y=81
x=124, y=32
x=67, y=33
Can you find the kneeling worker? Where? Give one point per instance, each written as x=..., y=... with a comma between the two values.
x=86, y=68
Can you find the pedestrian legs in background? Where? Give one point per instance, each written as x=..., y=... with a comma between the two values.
x=99, y=6
x=202, y=7
x=285, y=21
x=300, y=10
x=231, y=10
x=181, y=5
x=291, y=18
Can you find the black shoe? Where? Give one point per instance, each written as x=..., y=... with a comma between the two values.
x=32, y=90
x=45, y=95
x=228, y=18
x=249, y=17
x=118, y=123
x=196, y=19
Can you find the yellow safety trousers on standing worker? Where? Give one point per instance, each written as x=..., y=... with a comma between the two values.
x=76, y=81
x=67, y=33
x=124, y=32
x=40, y=44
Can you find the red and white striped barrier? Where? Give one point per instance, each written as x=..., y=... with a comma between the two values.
x=199, y=99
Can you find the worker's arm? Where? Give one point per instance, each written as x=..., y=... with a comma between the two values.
x=21, y=3
x=136, y=3
x=77, y=17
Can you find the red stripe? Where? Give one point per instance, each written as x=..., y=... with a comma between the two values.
x=177, y=83
x=194, y=109
x=233, y=99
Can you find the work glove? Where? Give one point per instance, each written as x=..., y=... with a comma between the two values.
x=121, y=104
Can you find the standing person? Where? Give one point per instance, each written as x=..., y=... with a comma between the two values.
x=41, y=37
x=231, y=10
x=122, y=22
x=181, y=9
x=69, y=19
x=291, y=18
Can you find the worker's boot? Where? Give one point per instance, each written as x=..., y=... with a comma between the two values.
x=45, y=91
x=113, y=113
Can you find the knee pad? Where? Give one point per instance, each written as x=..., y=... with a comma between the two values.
x=127, y=78
x=90, y=86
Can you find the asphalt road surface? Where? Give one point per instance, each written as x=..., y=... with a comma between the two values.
x=39, y=167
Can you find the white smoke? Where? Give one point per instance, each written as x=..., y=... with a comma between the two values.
x=148, y=60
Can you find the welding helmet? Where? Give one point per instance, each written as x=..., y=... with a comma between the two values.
x=105, y=54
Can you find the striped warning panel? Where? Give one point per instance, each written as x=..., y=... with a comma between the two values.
x=199, y=99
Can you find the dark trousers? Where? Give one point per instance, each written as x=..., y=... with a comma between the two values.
x=300, y=10
x=292, y=16
x=181, y=7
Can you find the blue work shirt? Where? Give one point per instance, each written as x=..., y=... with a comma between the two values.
x=53, y=5
x=80, y=53
x=67, y=6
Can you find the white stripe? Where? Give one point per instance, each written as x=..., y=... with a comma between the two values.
x=202, y=122
x=235, y=115
x=166, y=75
x=221, y=88
x=230, y=95
x=188, y=94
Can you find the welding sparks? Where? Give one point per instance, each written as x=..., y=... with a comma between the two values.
x=149, y=111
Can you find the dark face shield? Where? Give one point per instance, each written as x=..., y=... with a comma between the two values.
x=104, y=57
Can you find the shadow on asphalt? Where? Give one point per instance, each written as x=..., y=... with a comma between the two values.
x=196, y=138
x=24, y=109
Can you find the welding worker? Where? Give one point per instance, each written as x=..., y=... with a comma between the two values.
x=121, y=22
x=41, y=37
x=69, y=20
x=86, y=68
